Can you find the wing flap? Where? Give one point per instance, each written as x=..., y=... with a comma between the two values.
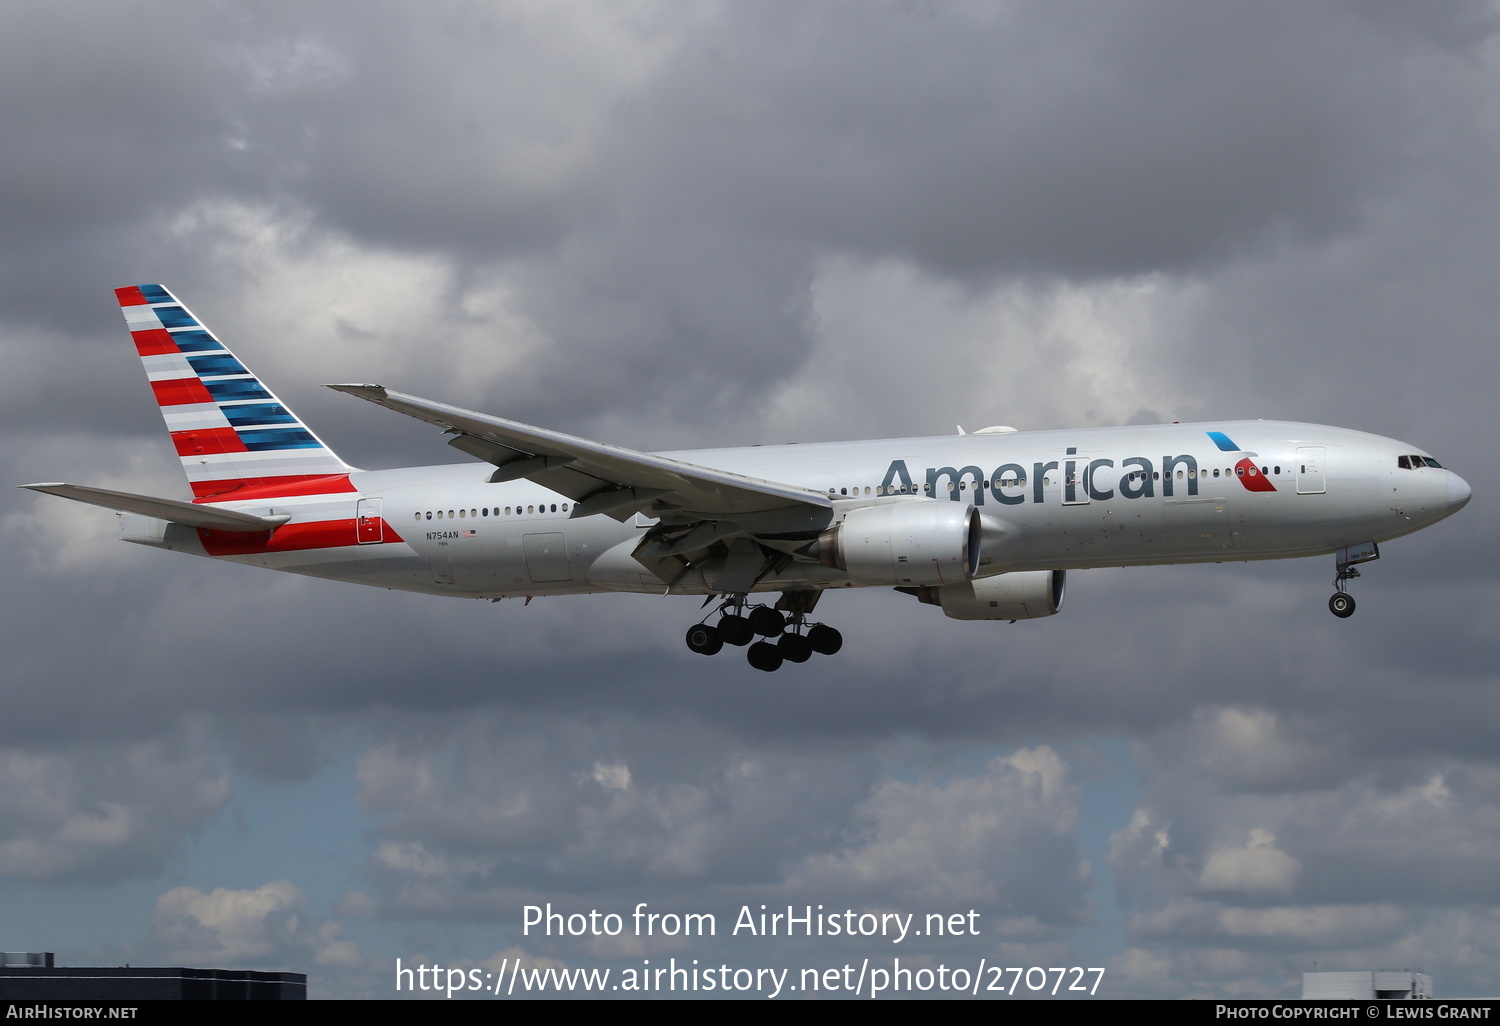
x=186, y=513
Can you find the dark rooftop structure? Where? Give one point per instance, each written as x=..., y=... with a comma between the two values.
x=33, y=976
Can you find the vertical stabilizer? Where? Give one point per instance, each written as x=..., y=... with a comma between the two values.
x=235, y=438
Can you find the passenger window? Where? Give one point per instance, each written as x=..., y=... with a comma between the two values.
x=1216, y=472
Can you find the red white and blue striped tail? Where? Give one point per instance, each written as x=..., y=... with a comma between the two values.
x=235, y=438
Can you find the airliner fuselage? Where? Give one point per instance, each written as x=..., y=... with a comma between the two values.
x=1078, y=499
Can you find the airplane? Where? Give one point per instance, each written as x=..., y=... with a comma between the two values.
x=984, y=525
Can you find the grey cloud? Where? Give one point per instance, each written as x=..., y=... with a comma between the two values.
x=754, y=223
x=102, y=813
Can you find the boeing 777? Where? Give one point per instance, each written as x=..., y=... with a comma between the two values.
x=984, y=525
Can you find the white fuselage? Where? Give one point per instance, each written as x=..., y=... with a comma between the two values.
x=1075, y=498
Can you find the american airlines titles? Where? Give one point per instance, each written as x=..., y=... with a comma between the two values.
x=1083, y=479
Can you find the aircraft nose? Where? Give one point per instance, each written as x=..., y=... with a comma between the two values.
x=1458, y=492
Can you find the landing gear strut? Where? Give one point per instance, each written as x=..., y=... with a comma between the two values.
x=789, y=638
x=1344, y=560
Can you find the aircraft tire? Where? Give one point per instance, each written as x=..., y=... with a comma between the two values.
x=736, y=630
x=824, y=639
x=767, y=622
x=703, y=639
x=764, y=656
x=1341, y=605
x=794, y=648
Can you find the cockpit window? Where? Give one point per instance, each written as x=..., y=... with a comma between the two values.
x=1404, y=462
x=1415, y=462
x=1432, y=462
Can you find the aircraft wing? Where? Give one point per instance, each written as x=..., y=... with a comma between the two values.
x=600, y=478
x=189, y=514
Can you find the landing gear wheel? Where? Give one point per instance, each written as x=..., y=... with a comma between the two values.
x=736, y=630
x=824, y=640
x=767, y=621
x=764, y=656
x=1341, y=604
x=703, y=639
x=794, y=648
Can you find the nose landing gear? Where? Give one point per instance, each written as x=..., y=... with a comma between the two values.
x=789, y=638
x=1341, y=604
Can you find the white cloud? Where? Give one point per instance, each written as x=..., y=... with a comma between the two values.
x=1257, y=867
x=968, y=838
x=265, y=926
x=895, y=347
x=612, y=776
x=317, y=305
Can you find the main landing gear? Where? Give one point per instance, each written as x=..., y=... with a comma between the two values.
x=1344, y=560
x=788, y=636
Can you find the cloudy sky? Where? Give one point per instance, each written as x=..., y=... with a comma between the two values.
x=673, y=225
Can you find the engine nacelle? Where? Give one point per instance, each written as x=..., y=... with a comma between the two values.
x=911, y=543
x=1025, y=595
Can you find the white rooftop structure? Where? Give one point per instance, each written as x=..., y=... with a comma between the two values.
x=1368, y=985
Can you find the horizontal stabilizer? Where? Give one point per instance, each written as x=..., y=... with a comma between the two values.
x=185, y=513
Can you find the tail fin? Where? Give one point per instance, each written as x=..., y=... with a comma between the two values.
x=235, y=438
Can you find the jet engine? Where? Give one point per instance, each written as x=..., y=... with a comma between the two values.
x=1024, y=595
x=912, y=543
